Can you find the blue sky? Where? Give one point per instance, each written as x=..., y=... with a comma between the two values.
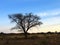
x=48, y=10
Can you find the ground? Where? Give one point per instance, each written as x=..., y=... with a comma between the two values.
x=33, y=39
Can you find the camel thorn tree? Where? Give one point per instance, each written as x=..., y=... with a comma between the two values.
x=25, y=21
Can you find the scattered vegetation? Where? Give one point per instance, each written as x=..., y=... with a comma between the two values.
x=33, y=39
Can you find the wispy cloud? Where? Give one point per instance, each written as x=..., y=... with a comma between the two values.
x=49, y=13
x=51, y=21
x=50, y=17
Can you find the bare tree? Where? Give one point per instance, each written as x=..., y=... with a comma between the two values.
x=25, y=22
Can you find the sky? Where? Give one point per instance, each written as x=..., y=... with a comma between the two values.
x=48, y=10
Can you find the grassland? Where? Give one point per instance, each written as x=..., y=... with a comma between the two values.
x=33, y=39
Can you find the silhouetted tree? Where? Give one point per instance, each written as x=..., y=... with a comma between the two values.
x=25, y=22
x=1, y=32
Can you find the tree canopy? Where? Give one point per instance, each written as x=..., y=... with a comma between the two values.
x=25, y=21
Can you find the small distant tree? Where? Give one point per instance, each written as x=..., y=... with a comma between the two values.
x=1, y=32
x=25, y=21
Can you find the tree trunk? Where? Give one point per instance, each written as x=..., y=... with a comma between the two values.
x=25, y=34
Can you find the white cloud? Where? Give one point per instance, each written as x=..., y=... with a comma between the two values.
x=49, y=13
x=50, y=17
x=50, y=21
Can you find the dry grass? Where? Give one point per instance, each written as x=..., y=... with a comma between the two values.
x=33, y=39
